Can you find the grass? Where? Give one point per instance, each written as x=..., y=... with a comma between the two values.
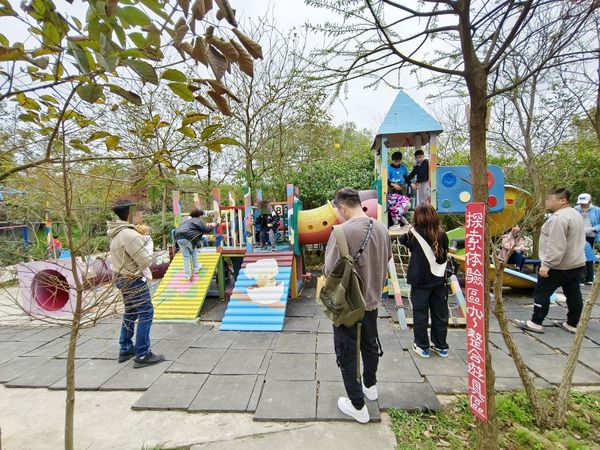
x=454, y=427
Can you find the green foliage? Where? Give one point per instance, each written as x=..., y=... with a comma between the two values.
x=454, y=427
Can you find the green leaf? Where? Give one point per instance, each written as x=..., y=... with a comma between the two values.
x=4, y=40
x=182, y=91
x=29, y=117
x=12, y=53
x=157, y=8
x=84, y=58
x=26, y=102
x=192, y=118
x=174, y=75
x=49, y=99
x=138, y=39
x=209, y=130
x=130, y=15
x=89, y=93
x=144, y=70
x=187, y=131
x=214, y=148
x=97, y=135
x=76, y=143
x=51, y=34
x=132, y=53
x=223, y=141
x=127, y=95
x=112, y=142
x=77, y=23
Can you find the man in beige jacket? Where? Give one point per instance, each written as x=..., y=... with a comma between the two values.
x=562, y=243
x=129, y=258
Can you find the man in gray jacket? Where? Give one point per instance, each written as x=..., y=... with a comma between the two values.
x=562, y=243
x=371, y=267
x=129, y=258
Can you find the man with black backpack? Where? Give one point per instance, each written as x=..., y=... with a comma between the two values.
x=366, y=243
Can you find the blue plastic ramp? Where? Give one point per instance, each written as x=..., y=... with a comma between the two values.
x=260, y=294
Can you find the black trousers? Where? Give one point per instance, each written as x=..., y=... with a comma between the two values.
x=430, y=300
x=545, y=287
x=587, y=275
x=344, y=340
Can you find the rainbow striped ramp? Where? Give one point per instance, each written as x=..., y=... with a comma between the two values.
x=179, y=299
x=260, y=294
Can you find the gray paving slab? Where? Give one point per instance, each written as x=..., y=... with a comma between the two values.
x=325, y=343
x=590, y=357
x=292, y=367
x=296, y=343
x=457, y=339
x=103, y=331
x=48, y=334
x=526, y=344
x=442, y=384
x=296, y=309
x=327, y=368
x=264, y=366
x=253, y=340
x=187, y=332
x=130, y=379
x=197, y=360
x=405, y=337
x=240, y=362
x=325, y=326
x=503, y=364
x=172, y=391
x=28, y=334
x=551, y=367
x=161, y=330
x=44, y=375
x=91, y=374
x=407, y=396
x=303, y=324
x=93, y=347
x=327, y=409
x=382, y=312
x=19, y=366
x=556, y=337
x=224, y=393
x=12, y=349
x=453, y=365
x=592, y=331
x=256, y=393
x=171, y=349
x=275, y=402
x=50, y=349
x=216, y=339
x=397, y=366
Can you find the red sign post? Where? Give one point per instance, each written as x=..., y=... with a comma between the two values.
x=474, y=285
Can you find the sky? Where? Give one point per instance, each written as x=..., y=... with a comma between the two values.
x=366, y=107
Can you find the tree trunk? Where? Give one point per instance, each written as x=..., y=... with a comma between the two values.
x=564, y=389
x=70, y=400
x=487, y=432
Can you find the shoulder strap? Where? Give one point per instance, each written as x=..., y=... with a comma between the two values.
x=342, y=244
x=366, y=241
x=439, y=270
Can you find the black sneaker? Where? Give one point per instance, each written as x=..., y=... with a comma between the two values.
x=147, y=360
x=126, y=355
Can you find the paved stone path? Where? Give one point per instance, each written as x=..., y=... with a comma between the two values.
x=288, y=376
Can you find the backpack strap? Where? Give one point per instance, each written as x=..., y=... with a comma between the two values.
x=366, y=241
x=439, y=270
x=342, y=244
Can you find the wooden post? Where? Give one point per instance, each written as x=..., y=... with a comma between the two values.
x=433, y=169
x=249, y=228
x=383, y=218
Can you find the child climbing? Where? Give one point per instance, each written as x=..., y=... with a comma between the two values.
x=188, y=235
x=397, y=202
x=428, y=245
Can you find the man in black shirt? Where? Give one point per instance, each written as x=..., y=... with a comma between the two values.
x=187, y=236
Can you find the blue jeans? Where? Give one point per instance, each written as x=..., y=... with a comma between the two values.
x=188, y=250
x=138, y=306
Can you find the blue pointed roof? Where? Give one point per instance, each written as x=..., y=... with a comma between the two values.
x=405, y=120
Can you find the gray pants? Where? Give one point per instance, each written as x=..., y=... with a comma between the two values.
x=423, y=192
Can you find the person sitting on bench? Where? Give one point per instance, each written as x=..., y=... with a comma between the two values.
x=516, y=242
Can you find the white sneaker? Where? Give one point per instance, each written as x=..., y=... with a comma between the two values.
x=371, y=392
x=197, y=269
x=346, y=406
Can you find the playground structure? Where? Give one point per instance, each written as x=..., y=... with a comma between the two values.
x=264, y=281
